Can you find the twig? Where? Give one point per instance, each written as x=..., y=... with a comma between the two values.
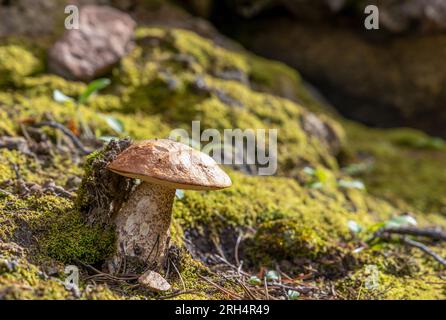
x=25, y=132
x=179, y=274
x=265, y=283
x=65, y=131
x=219, y=249
x=231, y=265
x=385, y=234
x=5, y=192
x=300, y=289
x=229, y=293
x=16, y=169
x=107, y=275
x=425, y=249
x=156, y=244
x=250, y=294
x=427, y=233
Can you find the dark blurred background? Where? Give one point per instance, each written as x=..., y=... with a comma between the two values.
x=394, y=76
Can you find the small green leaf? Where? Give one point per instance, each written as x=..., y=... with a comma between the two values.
x=92, y=88
x=293, y=294
x=315, y=185
x=354, y=227
x=357, y=168
x=310, y=171
x=272, y=276
x=60, y=97
x=108, y=138
x=179, y=194
x=401, y=221
x=351, y=184
x=375, y=227
x=114, y=123
x=254, y=281
x=322, y=175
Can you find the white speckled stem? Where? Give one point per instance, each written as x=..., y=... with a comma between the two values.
x=143, y=225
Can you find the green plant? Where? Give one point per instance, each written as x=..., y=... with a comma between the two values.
x=92, y=88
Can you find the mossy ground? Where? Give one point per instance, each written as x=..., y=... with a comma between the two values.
x=297, y=220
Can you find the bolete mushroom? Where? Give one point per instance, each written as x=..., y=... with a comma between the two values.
x=162, y=165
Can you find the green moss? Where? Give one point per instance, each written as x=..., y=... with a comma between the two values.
x=26, y=282
x=180, y=80
x=59, y=231
x=17, y=62
x=292, y=220
x=406, y=167
x=286, y=239
x=20, y=279
x=68, y=238
x=390, y=287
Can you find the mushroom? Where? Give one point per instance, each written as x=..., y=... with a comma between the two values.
x=162, y=166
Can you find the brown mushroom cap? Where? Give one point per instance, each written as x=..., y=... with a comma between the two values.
x=170, y=163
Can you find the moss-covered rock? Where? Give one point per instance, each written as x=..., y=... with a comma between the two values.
x=16, y=62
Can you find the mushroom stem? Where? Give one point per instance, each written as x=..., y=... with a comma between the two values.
x=142, y=226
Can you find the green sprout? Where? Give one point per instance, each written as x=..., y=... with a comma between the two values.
x=92, y=88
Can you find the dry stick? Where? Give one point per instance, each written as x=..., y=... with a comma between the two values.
x=250, y=294
x=218, y=247
x=425, y=249
x=262, y=291
x=179, y=274
x=5, y=192
x=427, y=233
x=229, y=293
x=266, y=288
x=301, y=289
x=237, y=281
x=231, y=265
x=156, y=244
x=107, y=275
x=25, y=132
x=280, y=281
x=65, y=131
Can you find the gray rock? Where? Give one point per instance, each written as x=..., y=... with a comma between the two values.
x=15, y=143
x=103, y=38
x=154, y=281
x=315, y=127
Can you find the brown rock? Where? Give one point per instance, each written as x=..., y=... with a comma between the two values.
x=316, y=127
x=104, y=36
x=154, y=281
